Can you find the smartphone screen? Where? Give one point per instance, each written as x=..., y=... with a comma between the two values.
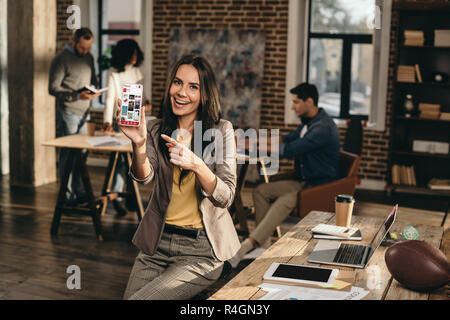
x=302, y=273
x=131, y=105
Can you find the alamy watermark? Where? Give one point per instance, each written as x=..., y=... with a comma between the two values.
x=74, y=280
x=74, y=21
x=373, y=21
x=219, y=150
x=374, y=281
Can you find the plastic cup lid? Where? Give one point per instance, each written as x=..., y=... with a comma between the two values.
x=344, y=198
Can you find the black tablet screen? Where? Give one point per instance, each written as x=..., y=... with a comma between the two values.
x=302, y=273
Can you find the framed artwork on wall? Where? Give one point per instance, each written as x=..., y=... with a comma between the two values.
x=237, y=57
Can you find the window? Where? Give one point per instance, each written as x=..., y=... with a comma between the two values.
x=117, y=20
x=340, y=56
x=297, y=59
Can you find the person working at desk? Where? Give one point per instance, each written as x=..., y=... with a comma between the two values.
x=126, y=57
x=187, y=232
x=315, y=147
x=70, y=71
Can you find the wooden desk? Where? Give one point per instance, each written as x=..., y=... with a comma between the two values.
x=240, y=212
x=296, y=245
x=96, y=207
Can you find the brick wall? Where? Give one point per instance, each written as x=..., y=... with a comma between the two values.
x=272, y=17
x=63, y=34
x=269, y=16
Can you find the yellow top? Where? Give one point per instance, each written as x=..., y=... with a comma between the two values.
x=183, y=208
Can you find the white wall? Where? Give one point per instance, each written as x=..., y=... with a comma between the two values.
x=146, y=44
x=118, y=11
x=4, y=105
x=85, y=11
x=296, y=53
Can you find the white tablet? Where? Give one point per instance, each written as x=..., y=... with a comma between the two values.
x=300, y=274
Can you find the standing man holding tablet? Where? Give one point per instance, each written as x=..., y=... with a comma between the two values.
x=70, y=72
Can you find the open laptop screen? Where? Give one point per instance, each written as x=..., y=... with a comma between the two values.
x=384, y=228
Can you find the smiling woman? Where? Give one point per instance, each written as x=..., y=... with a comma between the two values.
x=187, y=231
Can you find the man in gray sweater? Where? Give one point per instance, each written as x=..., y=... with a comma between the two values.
x=70, y=71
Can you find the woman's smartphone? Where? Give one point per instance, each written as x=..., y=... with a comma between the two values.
x=131, y=109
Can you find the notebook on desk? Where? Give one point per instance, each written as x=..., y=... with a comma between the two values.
x=354, y=237
x=350, y=254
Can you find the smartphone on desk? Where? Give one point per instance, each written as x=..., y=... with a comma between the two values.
x=131, y=108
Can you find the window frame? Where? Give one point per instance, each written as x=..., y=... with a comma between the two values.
x=298, y=20
x=102, y=32
x=348, y=39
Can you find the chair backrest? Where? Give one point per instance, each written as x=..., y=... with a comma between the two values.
x=349, y=164
x=354, y=137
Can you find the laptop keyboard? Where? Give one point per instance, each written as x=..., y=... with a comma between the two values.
x=350, y=254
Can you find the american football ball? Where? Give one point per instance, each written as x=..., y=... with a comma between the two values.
x=418, y=265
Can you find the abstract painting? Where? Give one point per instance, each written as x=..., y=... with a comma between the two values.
x=237, y=58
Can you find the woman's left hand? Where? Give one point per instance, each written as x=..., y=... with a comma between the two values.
x=182, y=156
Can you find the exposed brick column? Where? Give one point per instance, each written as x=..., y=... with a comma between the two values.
x=63, y=34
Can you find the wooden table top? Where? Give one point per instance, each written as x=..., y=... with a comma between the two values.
x=297, y=244
x=241, y=157
x=80, y=141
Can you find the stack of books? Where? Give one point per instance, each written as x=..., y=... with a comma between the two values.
x=413, y=38
x=429, y=111
x=445, y=116
x=439, y=184
x=442, y=38
x=406, y=74
x=403, y=175
x=430, y=146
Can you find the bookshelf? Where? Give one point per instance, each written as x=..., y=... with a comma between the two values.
x=438, y=121
x=417, y=20
x=424, y=47
x=421, y=154
x=424, y=84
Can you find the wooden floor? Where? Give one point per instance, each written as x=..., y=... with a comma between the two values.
x=33, y=265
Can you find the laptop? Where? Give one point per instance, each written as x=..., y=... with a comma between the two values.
x=350, y=254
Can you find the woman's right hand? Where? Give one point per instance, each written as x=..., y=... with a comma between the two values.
x=137, y=135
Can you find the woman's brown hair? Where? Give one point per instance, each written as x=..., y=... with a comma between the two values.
x=209, y=110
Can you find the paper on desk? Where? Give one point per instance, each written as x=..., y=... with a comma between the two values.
x=254, y=253
x=337, y=284
x=107, y=140
x=284, y=292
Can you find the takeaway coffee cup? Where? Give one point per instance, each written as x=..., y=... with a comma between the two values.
x=90, y=124
x=344, y=208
